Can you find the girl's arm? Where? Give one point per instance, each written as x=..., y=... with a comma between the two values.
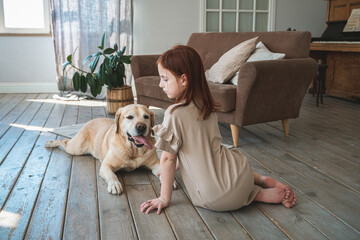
x=167, y=169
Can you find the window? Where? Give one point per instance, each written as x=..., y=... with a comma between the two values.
x=239, y=15
x=24, y=16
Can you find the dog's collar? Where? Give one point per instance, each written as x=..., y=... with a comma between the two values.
x=131, y=139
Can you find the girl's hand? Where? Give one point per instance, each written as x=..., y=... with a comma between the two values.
x=157, y=203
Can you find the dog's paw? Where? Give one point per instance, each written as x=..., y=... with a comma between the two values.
x=156, y=171
x=114, y=187
x=50, y=144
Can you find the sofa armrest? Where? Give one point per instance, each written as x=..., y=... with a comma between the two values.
x=272, y=90
x=144, y=65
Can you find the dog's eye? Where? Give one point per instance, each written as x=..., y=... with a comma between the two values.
x=130, y=117
x=146, y=116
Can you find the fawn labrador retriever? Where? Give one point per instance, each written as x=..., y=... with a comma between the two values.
x=125, y=144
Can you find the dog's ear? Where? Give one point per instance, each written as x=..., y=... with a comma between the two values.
x=117, y=119
x=152, y=122
x=152, y=119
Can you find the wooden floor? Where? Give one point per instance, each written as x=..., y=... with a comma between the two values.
x=53, y=195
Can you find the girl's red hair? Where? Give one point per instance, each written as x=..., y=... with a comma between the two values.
x=185, y=60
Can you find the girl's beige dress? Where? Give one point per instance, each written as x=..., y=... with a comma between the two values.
x=215, y=177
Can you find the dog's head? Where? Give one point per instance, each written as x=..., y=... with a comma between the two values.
x=135, y=122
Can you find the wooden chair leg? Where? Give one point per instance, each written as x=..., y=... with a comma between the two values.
x=285, y=124
x=235, y=134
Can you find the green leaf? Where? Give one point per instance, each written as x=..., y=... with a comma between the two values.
x=103, y=40
x=65, y=78
x=76, y=81
x=83, y=83
x=121, y=75
x=121, y=69
x=125, y=59
x=107, y=81
x=107, y=65
x=120, y=81
x=65, y=65
x=86, y=59
x=69, y=58
x=103, y=73
x=113, y=61
x=123, y=49
x=94, y=63
x=98, y=79
x=114, y=79
x=96, y=54
x=93, y=90
x=109, y=51
x=99, y=89
x=115, y=47
x=99, y=75
x=119, y=53
x=90, y=80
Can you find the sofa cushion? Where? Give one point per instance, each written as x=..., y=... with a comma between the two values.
x=212, y=45
x=224, y=94
x=261, y=53
x=230, y=62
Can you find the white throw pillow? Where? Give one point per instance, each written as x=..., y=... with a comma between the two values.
x=230, y=62
x=261, y=53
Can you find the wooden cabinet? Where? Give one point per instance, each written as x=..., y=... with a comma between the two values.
x=343, y=75
x=341, y=9
x=342, y=58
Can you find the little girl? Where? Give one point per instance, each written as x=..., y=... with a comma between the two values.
x=215, y=177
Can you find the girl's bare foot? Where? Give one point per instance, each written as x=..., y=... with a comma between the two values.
x=289, y=201
x=290, y=198
x=276, y=195
x=265, y=182
x=269, y=182
x=271, y=195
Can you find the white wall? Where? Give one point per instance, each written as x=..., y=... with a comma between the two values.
x=304, y=15
x=27, y=64
x=160, y=24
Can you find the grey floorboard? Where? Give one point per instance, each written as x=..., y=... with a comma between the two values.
x=51, y=196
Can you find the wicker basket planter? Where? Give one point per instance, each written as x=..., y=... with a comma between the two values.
x=118, y=98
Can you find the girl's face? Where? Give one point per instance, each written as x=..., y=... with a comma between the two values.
x=171, y=85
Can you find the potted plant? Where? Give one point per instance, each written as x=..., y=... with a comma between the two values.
x=111, y=73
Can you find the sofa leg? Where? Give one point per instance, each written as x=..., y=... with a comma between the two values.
x=285, y=124
x=235, y=134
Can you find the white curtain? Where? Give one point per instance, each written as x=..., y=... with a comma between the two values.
x=80, y=24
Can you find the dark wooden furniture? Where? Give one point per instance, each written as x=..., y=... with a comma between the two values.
x=320, y=83
x=340, y=51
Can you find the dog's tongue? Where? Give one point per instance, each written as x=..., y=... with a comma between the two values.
x=142, y=140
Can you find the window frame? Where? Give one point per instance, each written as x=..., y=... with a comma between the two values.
x=270, y=11
x=46, y=30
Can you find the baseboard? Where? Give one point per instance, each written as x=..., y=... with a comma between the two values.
x=28, y=87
